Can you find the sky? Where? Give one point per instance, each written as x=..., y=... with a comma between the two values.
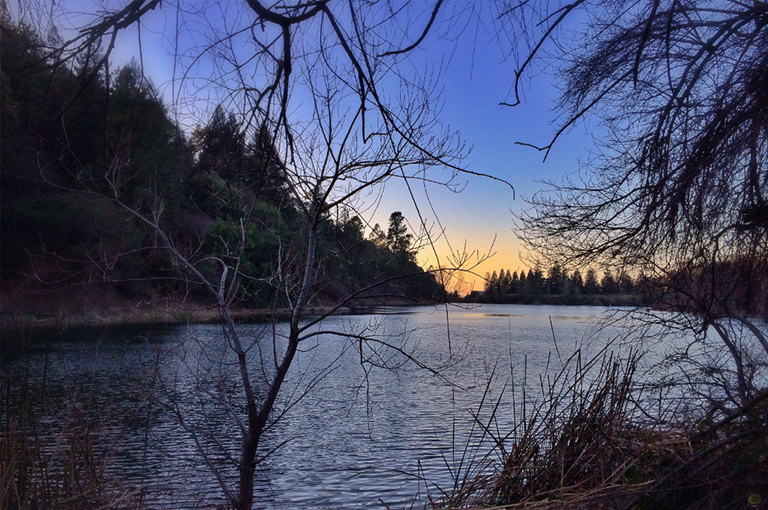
x=483, y=214
x=476, y=79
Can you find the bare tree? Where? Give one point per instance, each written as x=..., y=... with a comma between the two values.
x=332, y=87
x=677, y=193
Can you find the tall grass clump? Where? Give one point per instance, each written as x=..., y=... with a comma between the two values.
x=598, y=437
x=49, y=456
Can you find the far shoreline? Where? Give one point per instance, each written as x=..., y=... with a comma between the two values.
x=20, y=331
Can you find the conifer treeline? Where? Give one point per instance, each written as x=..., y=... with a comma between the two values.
x=531, y=286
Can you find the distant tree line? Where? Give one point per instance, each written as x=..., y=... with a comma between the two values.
x=61, y=229
x=686, y=288
x=536, y=285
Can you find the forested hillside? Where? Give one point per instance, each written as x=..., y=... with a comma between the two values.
x=74, y=137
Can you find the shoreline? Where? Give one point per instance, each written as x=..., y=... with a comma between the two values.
x=11, y=324
x=20, y=329
x=173, y=313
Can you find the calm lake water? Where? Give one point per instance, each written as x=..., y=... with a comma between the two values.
x=351, y=435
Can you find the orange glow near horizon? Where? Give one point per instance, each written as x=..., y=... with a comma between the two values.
x=505, y=253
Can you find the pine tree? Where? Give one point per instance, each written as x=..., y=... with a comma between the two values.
x=591, y=285
x=399, y=240
x=493, y=283
x=608, y=283
x=378, y=237
x=576, y=283
x=554, y=279
x=625, y=283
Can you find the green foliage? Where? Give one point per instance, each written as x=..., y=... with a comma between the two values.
x=69, y=226
x=221, y=195
x=370, y=269
x=139, y=128
x=208, y=193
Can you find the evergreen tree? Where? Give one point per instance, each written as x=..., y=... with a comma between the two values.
x=222, y=167
x=608, y=283
x=576, y=286
x=493, y=283
x=138, y=127
x=642, y=286
x=535, y=279
x=399, y=240
x=220, y=146
x=555, y=279
x=378, y=237
x=266, y=178
x=625, y=283
x=523, y=283
x=591, y=285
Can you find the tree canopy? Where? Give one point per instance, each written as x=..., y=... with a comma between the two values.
x=680, y=90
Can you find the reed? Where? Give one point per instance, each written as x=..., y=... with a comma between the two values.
x=590, y=441
x=51, y=460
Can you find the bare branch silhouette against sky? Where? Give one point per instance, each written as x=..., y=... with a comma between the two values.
x=473, y=65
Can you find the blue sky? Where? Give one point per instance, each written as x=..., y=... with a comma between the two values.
x=477, y=81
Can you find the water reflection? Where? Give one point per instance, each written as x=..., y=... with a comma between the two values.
x=359, y=436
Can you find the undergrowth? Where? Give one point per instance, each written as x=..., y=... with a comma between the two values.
x=49, y=457
x=595, y=439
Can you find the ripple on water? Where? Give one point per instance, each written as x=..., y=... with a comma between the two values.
x=354, y=440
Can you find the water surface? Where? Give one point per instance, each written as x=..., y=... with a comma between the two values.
x=352, y=435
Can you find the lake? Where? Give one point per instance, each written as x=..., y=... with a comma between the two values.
x=352, y=435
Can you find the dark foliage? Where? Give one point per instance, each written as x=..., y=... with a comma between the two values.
x=61, y=228
x=679, y=189
x=590, y=441
x=560, y=286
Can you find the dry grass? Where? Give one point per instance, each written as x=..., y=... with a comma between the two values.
x=38, y=471
x=590, y=444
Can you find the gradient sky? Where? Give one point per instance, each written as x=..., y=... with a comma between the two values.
x=476, y=79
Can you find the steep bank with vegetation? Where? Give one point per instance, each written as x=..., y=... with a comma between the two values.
x=261, y=206
x=72, y=255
